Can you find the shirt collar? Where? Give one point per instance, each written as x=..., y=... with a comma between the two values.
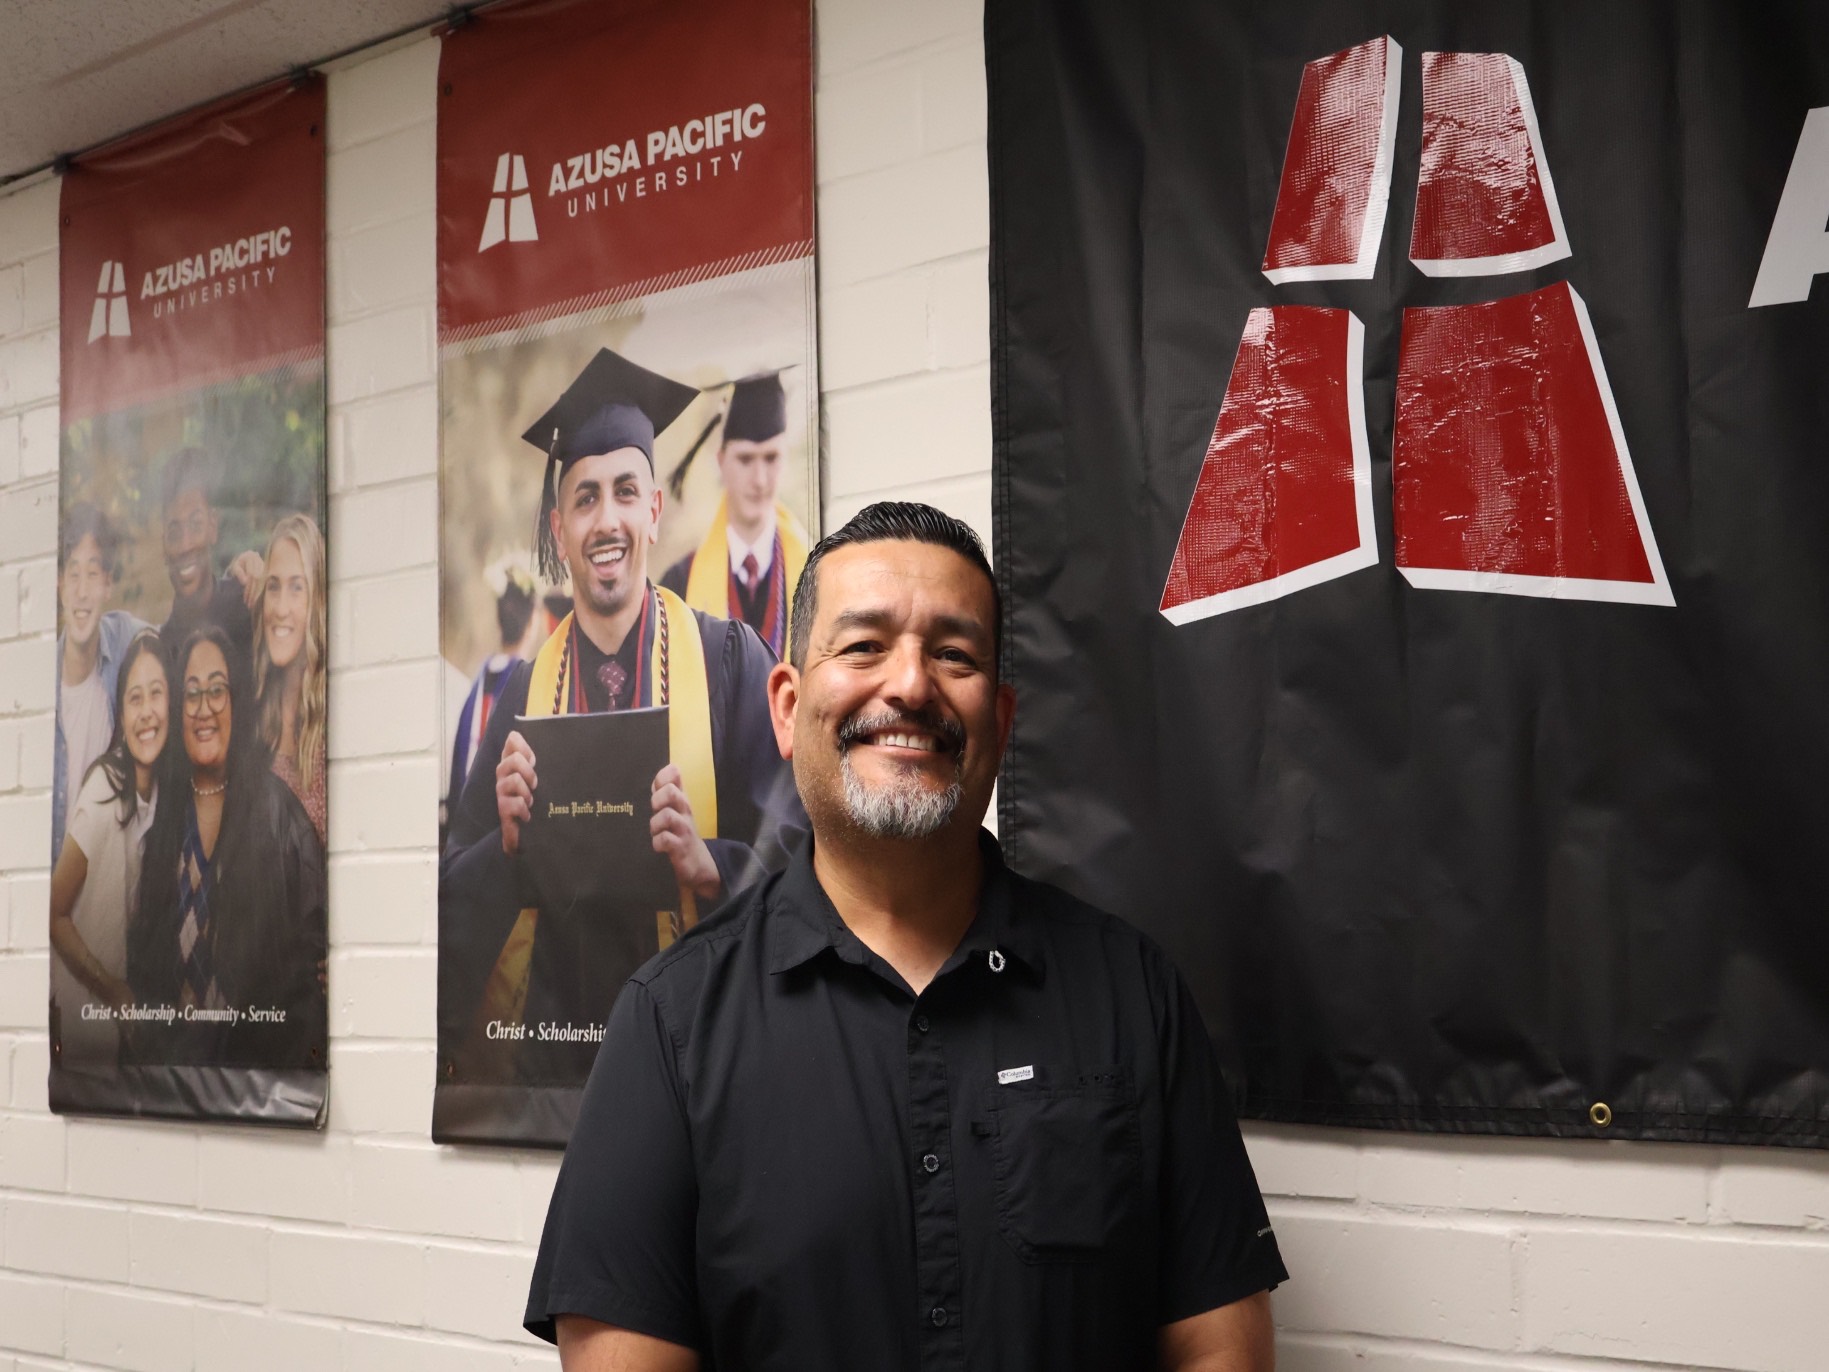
x=805, y=923
x=763, y=547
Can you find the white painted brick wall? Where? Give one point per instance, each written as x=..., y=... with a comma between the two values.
x=368, y=1249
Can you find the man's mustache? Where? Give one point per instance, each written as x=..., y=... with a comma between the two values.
x=952, y=734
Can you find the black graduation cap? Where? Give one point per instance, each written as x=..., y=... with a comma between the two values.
x=613, y=403
x=756, y=413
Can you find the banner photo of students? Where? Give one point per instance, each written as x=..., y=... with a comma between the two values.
x=1411, y=508
x=188, y=925
x=629, y=489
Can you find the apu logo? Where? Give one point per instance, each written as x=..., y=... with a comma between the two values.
x=510, y=215
x=110, y=313
x=1509, y=466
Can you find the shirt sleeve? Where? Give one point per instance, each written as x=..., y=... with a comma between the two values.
x=618, y=1246
x=91, y=815
x=1217, y=1244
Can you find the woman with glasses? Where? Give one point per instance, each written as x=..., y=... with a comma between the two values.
x=290, y=677
x=95, y=885
x=231, y=912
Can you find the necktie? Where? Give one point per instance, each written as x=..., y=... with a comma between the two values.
x=612, y=677
x=752, y=571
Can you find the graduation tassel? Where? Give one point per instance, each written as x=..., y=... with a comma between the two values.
x=676, y=482
x=546, y=551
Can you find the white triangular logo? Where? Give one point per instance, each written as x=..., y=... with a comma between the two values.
x=510, y=215
x=109, y=317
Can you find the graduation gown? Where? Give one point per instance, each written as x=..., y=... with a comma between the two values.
x=576, y=964
x=703, y=578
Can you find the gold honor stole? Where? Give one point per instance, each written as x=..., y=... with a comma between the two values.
x=689, y=747
x=708, y=583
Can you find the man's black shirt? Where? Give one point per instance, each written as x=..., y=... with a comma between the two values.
x=787, y=1160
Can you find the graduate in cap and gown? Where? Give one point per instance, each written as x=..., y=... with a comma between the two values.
x=753, y=553
x=719, y=806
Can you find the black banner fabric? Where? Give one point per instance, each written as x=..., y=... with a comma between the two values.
x=1413, y=517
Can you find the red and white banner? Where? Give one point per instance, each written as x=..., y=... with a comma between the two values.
x=625, y=190
x=189, y=812
x=589, y=154
x=194, y=253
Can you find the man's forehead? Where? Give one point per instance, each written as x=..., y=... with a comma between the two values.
x=614, y=465
x=894, y=577
x=744, y=447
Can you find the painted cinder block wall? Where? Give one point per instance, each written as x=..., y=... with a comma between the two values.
x=159, y=1247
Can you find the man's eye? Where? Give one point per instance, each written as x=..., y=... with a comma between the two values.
x=863, y=645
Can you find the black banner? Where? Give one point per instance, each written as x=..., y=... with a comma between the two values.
x=1412, y=488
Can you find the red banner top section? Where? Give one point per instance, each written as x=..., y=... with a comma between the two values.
x=194, y=253
x=591, y=152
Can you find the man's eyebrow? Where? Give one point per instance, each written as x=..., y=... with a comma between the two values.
x=944, y=626
x=859, y=619
x=959, y=626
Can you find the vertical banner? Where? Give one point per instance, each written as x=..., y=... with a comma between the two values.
x=629, y=488
x=1411, y=509
x=188, y=928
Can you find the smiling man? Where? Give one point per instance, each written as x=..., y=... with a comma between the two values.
x=750, y=559
x=626, y=645
x=896, y=1107
x=189, y=529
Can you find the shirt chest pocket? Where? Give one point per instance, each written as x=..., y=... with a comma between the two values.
x=1067, y=1159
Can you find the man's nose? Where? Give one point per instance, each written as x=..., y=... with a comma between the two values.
x=908, y=680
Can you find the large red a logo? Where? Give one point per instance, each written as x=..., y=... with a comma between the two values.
x=1509, y=467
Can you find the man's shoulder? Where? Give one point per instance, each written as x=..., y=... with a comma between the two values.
x=121, y=625
x=1073, y=921
x=676, y=577
x=732, y=641
x=723, y=948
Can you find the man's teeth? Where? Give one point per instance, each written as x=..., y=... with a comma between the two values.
x=921, y=741
x=603, y=557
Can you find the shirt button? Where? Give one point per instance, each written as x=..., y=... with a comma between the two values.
x=921, y=1023
x=931, y=1163
x=937, y=1315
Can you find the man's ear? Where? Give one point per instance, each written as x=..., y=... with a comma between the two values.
x=660, y=501
x=783, y=700
x=1006, y=716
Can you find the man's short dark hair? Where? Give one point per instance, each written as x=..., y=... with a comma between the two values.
x=892, y=521
x=82, y=520
x=186, y=469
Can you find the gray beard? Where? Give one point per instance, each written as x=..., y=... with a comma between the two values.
x=903, y=809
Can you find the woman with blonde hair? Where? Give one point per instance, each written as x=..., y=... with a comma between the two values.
x=290, y=672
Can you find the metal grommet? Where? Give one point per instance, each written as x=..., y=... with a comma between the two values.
x=996, y=960
x=1600, y=1114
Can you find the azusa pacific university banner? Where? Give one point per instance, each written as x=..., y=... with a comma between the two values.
x=1411, y=483
x=629, y=487
x=188, y=920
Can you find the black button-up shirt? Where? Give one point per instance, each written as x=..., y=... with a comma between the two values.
x=787, y=1160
